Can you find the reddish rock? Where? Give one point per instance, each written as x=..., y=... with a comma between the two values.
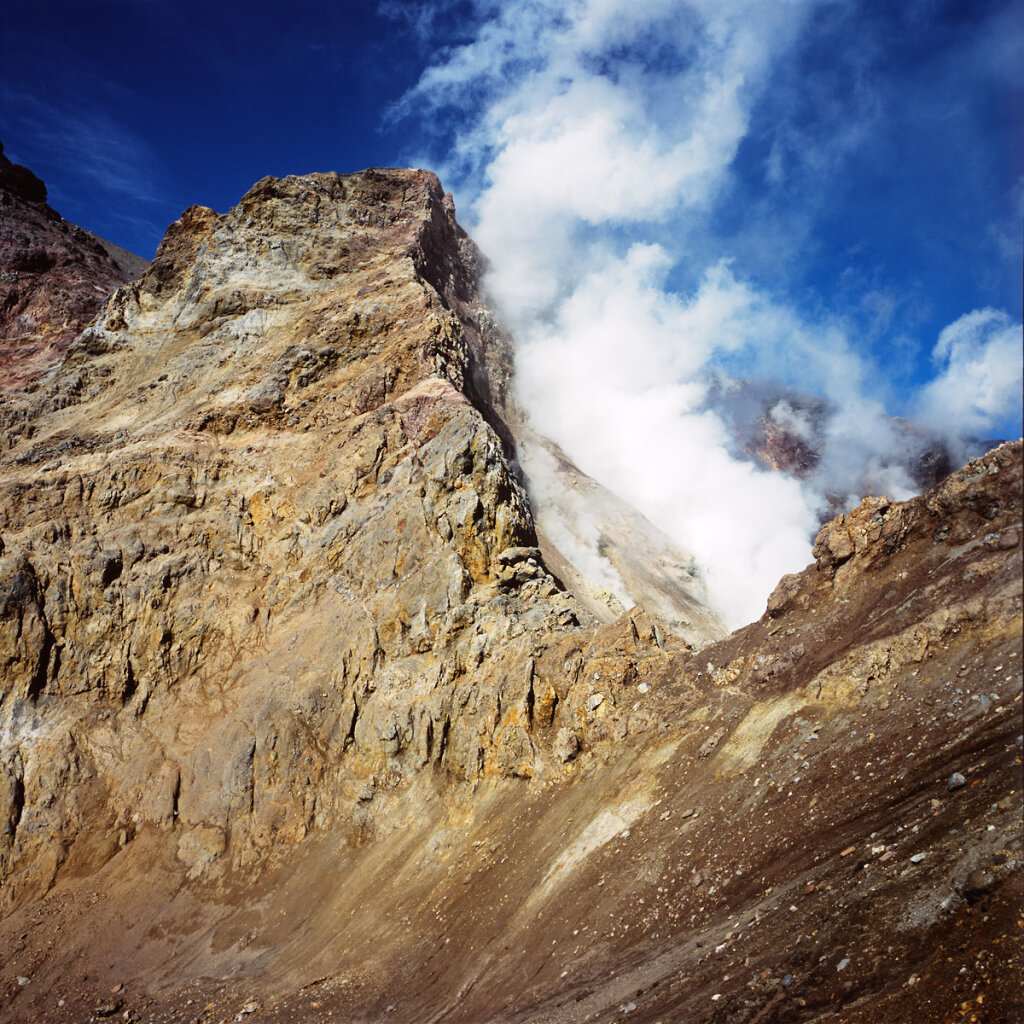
x=54, y=276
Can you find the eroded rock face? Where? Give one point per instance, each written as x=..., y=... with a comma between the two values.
x=261, y=550
x=291, y=694
x=53, y=278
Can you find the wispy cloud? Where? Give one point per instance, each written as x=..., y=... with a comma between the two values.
x=979, y=381
x=85, y=153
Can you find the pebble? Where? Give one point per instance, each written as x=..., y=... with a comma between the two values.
x=918, y=857
x=843, y=964
x=22, y=980
x=644, y=687
x=787, y=980
x=956, y=781
x=594, y=701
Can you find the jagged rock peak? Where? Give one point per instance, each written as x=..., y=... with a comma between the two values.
x=274, y=429
x=365, y=279
x=342, y=223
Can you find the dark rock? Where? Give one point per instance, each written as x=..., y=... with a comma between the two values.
x=979, y=884
x=20, y=181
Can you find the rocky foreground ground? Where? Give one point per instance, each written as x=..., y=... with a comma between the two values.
x=297, y=721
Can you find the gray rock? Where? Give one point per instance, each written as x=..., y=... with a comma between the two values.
x=710, y=743
x=519, y=554
x=956, y=781
x=594, y=701
x=566, y=745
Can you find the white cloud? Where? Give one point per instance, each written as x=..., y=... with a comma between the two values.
x=592, y=127
x=978, y=388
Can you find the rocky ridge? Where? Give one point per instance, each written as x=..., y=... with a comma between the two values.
x=54, y=277
x=293, y=692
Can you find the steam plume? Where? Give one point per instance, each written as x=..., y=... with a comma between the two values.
x=596, y=139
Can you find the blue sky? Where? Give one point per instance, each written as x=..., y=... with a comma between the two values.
x=829, y=193
x=880, y=176
x=133, y=111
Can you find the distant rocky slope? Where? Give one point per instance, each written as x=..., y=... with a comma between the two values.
x=600, y=547
x=53, y=277
x=299, y=720
x=787, y=431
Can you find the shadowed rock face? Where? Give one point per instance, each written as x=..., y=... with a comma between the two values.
x=296, y=720
x=54, y=276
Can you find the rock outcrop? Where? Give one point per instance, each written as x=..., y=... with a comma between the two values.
x=54, y=276
x=298, y=720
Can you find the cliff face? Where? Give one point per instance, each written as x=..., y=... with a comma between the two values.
x=297, y=717
x=53, y=277
x=264, y=544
